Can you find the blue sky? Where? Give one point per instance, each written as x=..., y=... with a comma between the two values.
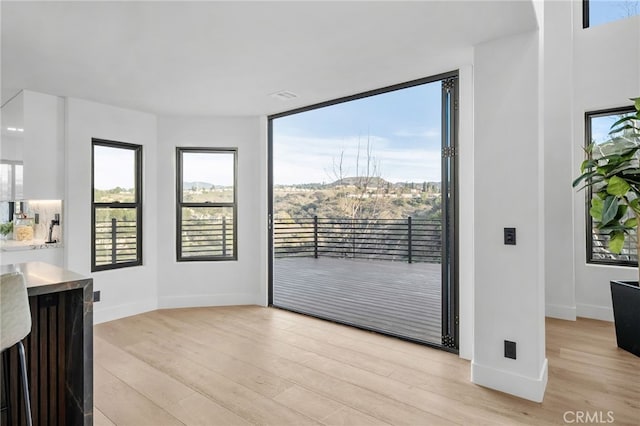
x=403, y=128
x=602, y=11
x=600, y=127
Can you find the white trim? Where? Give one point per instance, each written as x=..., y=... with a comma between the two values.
x=514, y=384
x=203, y=300
x=560, y=312
x=121, y=311
x=466, y=248
x=602, y=313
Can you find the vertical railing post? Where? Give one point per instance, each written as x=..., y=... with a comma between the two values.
x=315, y=237
x=114, y=238
x=353, y=238
x=224, y=235
x=409, y=240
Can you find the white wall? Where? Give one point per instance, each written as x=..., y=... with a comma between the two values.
x=466, y=247
x=509, y=280
x=240, y=282
x=585, y=70
x=125, y=291
x=606, y=74
x=558, y=139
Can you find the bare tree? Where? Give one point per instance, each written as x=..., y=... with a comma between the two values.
x=360, y=196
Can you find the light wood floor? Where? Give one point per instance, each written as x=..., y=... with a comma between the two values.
x=252, y=365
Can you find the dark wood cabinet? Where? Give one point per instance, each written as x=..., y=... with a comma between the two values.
x=59, y=348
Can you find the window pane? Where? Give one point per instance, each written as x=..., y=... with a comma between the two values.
x=114, y=174
x=603, y=11
x=208, y=177
x=600, y=126
x=116, y=235
x=207, y=231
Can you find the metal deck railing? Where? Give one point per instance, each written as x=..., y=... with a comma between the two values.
x=410, y=240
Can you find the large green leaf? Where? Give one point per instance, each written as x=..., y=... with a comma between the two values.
x=616, y=227
x=635, y=205
x=585, y=176
x=609, y=209
x=616, y=242
x=588, y=165
x=618, y=186
x=621, y=168
x=596, y=209
x=623, y=127
x=631, y=223
x=622, y=211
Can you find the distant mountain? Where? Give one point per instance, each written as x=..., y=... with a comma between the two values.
x=197, y=185
x=381, y=183
x=360, y=180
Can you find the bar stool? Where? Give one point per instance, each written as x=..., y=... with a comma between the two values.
x=15, y=325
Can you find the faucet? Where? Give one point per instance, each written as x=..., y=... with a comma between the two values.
x=55, y=221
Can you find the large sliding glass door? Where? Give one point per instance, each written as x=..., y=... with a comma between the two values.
x=363, y=211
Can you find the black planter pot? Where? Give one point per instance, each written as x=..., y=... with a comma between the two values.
x=625, y=296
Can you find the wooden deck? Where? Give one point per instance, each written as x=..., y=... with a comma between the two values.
x=390, y=297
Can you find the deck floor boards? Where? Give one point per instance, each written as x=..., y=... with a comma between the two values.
x=391, y=297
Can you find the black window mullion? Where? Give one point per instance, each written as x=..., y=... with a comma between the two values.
x=585, y=13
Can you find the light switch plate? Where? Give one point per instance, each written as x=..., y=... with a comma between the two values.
x=510, y=236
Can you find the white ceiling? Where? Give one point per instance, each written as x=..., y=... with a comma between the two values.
x=225, y=58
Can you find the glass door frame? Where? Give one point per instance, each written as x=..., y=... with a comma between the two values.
x=449, y=183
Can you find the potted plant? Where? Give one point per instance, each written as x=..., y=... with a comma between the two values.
x=5, y=230
x=611, y=171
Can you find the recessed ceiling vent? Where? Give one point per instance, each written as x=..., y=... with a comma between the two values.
x=284, y=95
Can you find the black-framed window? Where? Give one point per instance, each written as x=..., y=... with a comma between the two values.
x=116, y=198
x=206, y=208
x=596, y=12
x=597, y=127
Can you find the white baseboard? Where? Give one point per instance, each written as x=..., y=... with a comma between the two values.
x=560, y=312
x=193, y=301
x=602, y=313
x=514, y=384
x=120, y=311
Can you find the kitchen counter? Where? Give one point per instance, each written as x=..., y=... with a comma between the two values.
x=13, y=245
x=59, y=348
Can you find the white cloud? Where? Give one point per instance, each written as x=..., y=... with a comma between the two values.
x=311, y=159
x=429, y=134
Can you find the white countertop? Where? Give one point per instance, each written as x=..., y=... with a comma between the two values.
x=41, y=274
x=13, y=245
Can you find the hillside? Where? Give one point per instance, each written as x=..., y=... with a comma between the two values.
x=344, y=198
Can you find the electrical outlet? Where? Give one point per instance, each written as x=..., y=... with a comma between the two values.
x=96, y=296
x=509, y=349
x=510, y=236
